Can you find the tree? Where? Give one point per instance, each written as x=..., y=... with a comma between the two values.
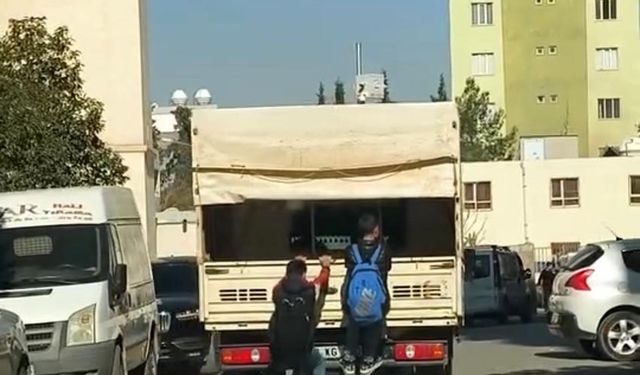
x=321, y=97
x=442, y=91
x=49, y=127
x=386, y=98
x=177, y=178
x=482, y=136
x=339, y=92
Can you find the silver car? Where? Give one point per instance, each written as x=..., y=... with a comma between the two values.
x=14, y=357
x=596, y=300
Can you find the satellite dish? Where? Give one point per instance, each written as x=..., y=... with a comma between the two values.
x=179, y=97
x=203, y=97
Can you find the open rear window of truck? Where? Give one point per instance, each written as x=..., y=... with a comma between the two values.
x=277, y=230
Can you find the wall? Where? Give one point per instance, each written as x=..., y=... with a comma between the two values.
x=522, y=212
x=467, y=39
x=111, y=36
x=623, y=33
x=528, y=75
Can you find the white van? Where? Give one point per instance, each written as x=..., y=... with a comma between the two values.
x=74, y=267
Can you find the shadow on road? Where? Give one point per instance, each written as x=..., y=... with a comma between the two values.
x=579, y=370
x=532, y=334
x=563, y=355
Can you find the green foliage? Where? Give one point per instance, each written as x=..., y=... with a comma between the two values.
x=442, y=92
x=49, y=127
x=386, y=97
x=482, y=136
x=321, y=97
x=177, y=178
x=339, y=92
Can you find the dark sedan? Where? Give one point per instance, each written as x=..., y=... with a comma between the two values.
x=184, y=342
x=14, y=357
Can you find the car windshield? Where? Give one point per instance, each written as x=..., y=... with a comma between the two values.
x=175, y=278
x=50, y=255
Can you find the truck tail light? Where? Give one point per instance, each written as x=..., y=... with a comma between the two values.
x=419, y=351
x=578, y=280
x=245, y=356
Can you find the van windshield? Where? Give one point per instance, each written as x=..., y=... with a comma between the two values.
x=51, y=255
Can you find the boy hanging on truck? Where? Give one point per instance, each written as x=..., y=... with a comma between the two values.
x=296, y=316
x=365, y=297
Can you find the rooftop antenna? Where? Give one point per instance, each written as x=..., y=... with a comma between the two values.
x=618, y=238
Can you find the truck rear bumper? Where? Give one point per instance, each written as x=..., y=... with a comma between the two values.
x=390, y=357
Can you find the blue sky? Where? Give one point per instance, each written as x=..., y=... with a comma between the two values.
x=275, y=52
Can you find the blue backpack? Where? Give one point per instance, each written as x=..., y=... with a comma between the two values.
x=366, y=289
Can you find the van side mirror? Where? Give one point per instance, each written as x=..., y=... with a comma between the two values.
x=120, y=280
x=527, y=274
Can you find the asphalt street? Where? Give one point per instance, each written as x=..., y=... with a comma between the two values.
x=525, y=349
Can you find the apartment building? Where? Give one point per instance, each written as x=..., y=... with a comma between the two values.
x=557, y=67
x=558, y=203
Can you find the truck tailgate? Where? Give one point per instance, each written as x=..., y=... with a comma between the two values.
x=237, y=295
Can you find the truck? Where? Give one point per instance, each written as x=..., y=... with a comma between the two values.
x=273, y=183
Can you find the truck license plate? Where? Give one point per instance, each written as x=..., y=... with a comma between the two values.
x=329, y=352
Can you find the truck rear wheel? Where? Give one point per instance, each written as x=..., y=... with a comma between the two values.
x=434, y=370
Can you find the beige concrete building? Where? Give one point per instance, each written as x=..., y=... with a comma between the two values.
x=552, y=203
x=111, y=35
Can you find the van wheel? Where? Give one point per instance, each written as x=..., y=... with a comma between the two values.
x=151, y=364
x=619, y=337
x=117, y=368
x=503, y=313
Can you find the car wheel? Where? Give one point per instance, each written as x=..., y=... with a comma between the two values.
x=503, y=313
x=117, y=368
x=528, y=312
x=619, y=337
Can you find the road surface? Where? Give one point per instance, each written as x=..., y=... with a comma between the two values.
x=525, y=349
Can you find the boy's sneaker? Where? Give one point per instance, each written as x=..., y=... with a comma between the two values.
x=348, y=364
x=369, y=365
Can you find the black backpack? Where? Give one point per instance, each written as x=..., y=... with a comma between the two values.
x=291, y=331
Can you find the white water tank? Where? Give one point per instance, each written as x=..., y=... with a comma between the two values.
x=179, y=98
x=630, y=147
x=203, y=97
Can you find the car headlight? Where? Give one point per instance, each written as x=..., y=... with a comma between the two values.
x=81, y=327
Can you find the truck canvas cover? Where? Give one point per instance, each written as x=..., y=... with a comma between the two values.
x=325, y=152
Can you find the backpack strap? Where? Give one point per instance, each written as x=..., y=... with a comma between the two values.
x=376, y=255
x=356, y=253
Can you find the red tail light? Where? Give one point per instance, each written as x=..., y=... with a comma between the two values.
x=245, y=356
x=578, y=280
x=419, y=351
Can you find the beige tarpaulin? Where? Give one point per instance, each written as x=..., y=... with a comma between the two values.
x=325, y=152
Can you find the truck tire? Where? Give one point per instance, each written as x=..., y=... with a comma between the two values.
x=434, y=370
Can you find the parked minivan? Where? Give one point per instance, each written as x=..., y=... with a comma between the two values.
x=75, y=268
x=497, y=285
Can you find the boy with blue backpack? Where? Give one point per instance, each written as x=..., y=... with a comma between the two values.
x=365, y=298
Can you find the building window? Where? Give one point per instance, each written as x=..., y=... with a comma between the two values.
x=539, y=51
x=564, y=192
x=553, y=99
x=482, y=14
x=538, y=2
x=553, y=50
x=551, y=2
x=482, y=64
x=606, y=9
x=564, y=248
x=608, y=108
x=477, y=195
x=607, y=58
x=634, y=189
x=540, y=99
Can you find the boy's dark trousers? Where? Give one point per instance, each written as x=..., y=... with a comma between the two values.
x=298, y=362
x=370, y=336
